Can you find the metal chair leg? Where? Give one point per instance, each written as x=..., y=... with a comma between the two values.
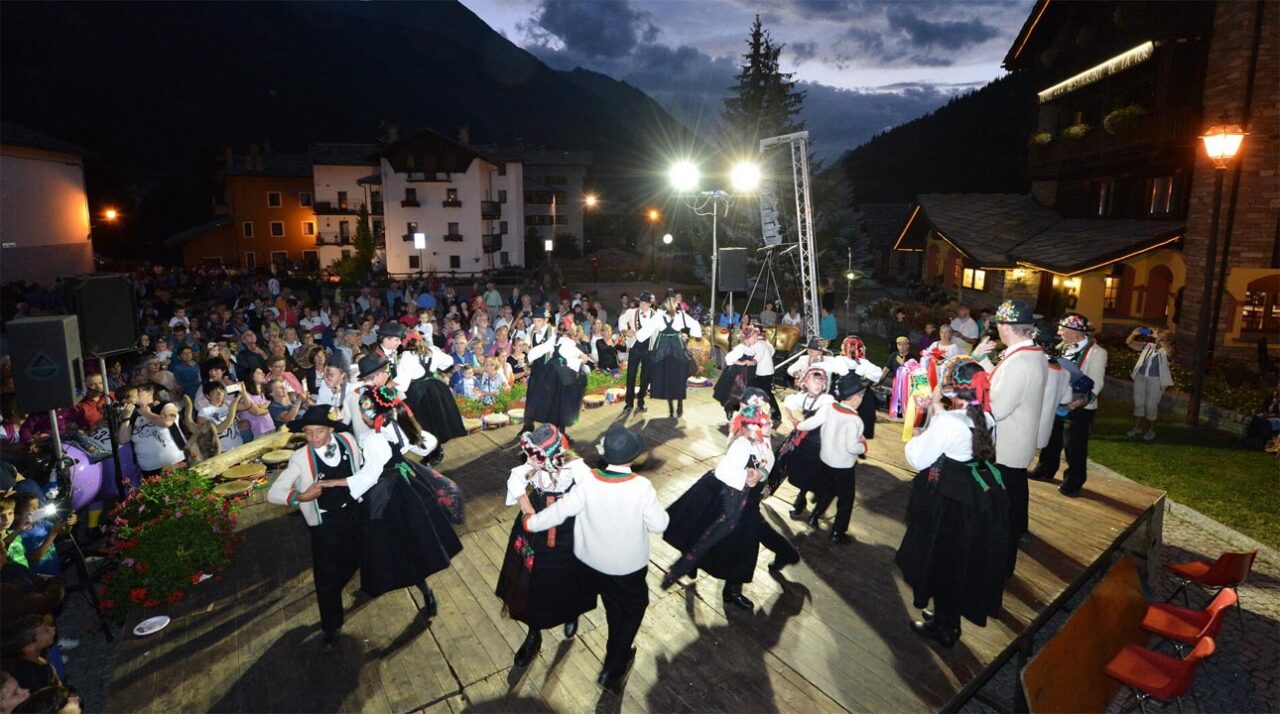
x=1239, y=610
x=1141, y=707
x=1179, y=701
x=1182, y=588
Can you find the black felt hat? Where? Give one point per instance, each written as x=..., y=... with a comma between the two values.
x=849, y=385
x=621, y=445
x=371, y=364
x=319, y=415
x=390, y=329
x=1014, y=312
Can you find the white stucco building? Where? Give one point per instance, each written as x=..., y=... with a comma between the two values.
x=44, y=210
x=346, y=179
x=469, y=206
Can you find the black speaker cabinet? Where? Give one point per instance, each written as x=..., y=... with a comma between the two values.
x=733, y=270
x=47, y=371
x=108, y=310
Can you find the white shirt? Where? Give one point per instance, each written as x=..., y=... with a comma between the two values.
x=229, y=437
x=799, y=400
x=802, y=364
x=633, y=319
x=860, y=367
x=1094, y=366
x=375, y=446
x=564, y=346
x=175, y=320
x=761, y=352
x=949, y=433
x=153, y=446
x=731, y=470
x=614, y=519
x=793, y=320
x=657, y=322
x=841, y=435
x=967, y=327
x=297, y=476
x=524, y=476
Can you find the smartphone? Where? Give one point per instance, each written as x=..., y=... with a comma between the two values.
x=233, y=388
x=1145, y=331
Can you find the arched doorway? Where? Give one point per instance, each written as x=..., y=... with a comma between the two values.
x=1159, y=282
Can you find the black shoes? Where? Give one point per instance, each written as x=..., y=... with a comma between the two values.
x=430, y=605
x=571, y=628
x=1073, y=492
x=327, y=646
x=614, y=682
x=932, y=630
x=812, y=520
x=733, y=596
x=529, y=649
x=626, y=408
x=841, y=538
x=780, y=562
x=641, y=408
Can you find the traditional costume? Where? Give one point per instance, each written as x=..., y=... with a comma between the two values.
x=557, y=382
x=1073, y=429
x=955, y=549
x=749, y=364
x=429, y=395
x=616, y=511
x=542, y=583
x=334, y=519
x=716, y=524
x=409, y=508
x=799, y=458
x=842, y=444
x=853, y=358
x=815, y=356
x=637, y=349
x=668, y=364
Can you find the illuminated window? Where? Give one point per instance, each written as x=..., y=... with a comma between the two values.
x=1110, y=292
x=974, y=279
x=1161, y=196
x=1260, y=312
x=304, y=199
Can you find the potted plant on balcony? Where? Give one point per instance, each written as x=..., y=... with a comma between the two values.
x=1075, y=132
x=1041, y=138
x=1123, y=120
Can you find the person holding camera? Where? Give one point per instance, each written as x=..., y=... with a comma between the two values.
x=1150, y=376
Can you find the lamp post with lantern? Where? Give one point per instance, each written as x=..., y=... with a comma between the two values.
x=1221, y=143
x=666, y=241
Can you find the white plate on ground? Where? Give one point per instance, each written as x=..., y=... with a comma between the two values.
x=151, y=625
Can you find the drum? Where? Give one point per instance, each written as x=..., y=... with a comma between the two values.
x=593, y=401
x=494, y=421
x=232, y=489
x=699, y=382
x=615, y=394
x=86, y=476
x=472, y=425
x=277, y=458
x=517, y=415
x=243, y=472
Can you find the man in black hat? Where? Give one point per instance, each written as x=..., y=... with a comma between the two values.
x=1017, y=394
x=334, y=386
x=815, y=356
x=631, y=322
x=1090, y=359
x=543, y=390
x=405, y=367
x=372, y=370
x=616, y=511
x=332, y=515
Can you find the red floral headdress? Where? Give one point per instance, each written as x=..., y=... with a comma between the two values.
x=854, y=345
x=378, y=404
x=978, y=380
x=753, y=419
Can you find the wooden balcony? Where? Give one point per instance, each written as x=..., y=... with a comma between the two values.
x=453, y=237
x=1168, y=131
x=490, y=210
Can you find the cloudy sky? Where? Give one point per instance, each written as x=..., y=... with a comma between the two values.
x=867, y=64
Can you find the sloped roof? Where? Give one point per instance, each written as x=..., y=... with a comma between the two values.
x=196, y=231
x=1076, y=245
x=881, y=223
x=273, y=164
x=986, y=226
x=336, y=154
x=433, y=152
x=15, y=135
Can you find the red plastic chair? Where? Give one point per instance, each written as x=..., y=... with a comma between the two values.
x=1150, y=674
x=1182, y=626
x=1227, y=573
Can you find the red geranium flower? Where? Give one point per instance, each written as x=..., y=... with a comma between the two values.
x=138, y=594
x=176, y=596
x=151, y=602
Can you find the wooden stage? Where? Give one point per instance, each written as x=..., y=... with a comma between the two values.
x=832, y=635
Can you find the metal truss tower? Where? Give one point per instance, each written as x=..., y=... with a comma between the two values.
x=799, y=145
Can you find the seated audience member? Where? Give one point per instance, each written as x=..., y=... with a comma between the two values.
x=186, y=370
x=93, y=406
x=51, y=700
x=38, y=534
x=284, y=403
x=492, y=383
x=221, y=414
x=12, y=694
x=466, y=383
x=26, y=646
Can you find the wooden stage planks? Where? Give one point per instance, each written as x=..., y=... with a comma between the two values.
x=831, y=634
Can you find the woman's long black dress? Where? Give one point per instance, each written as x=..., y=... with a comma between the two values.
x=434, y=407
x=800, y=457
x=732, y=558
x=552, y=589
x=955, y=550
x=668, y=364
x=408, y=535
x=731, y=383
x=555, y=391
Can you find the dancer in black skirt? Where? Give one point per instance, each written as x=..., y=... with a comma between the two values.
x=717, y=524
x=542, y=583
x=750, y=364
x=956, y=548
x=561, y=379
x=667, y=363
x=542, y=393
x=799, y=458
x=429, y=395
x=408, y=507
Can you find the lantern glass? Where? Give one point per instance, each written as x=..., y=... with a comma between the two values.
x=1222, y=143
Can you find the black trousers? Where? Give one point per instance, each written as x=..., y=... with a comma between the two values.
x=625, y=597
x=1074, y=430
x=841, y=488
x=635, y=364
x=335, y=557
x=1015, y=485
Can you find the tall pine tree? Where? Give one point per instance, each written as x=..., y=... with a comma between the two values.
x=765, y=101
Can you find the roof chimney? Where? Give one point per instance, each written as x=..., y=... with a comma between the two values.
x=464, y=135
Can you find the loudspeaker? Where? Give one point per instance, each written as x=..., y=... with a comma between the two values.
x=733, y=270
x=108, y=310
x=47, y=371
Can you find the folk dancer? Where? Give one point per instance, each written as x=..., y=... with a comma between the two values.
x=667, y=367
x=405, y=367
x=563, y=381
x=542, y=583
x=1090, y=359
x=716, y=524
x=815, y=356
x=408, y=508
x=616, y=511
x=429, y=396
x=335, y=388
x=542, y=391
x=955, y=546
x=749, y=364
x=853, y=358
x=842, y=444
x=331, y=514
x=630, y=324
x=799, y=459
x=1017, y=396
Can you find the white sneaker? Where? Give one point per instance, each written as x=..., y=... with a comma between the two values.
x=1149, y=436
x=1135, y=431
x=67, y=644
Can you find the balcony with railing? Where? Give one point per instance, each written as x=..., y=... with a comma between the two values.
x=333, y=238
x=490, y=209
x=451, y=203
x=339, y=208
x=491, y=242
x=453, y=237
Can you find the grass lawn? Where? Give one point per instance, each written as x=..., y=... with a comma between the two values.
x=1200, y=469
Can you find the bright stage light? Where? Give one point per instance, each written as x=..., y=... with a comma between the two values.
x=684, y=176
x=745, y=177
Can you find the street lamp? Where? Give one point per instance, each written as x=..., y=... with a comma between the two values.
x=666, y=241
x=653, y=215
x=420, y=243
x=744, y=178
x=591, y=200
x=110, y=214
x=1221, y=143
